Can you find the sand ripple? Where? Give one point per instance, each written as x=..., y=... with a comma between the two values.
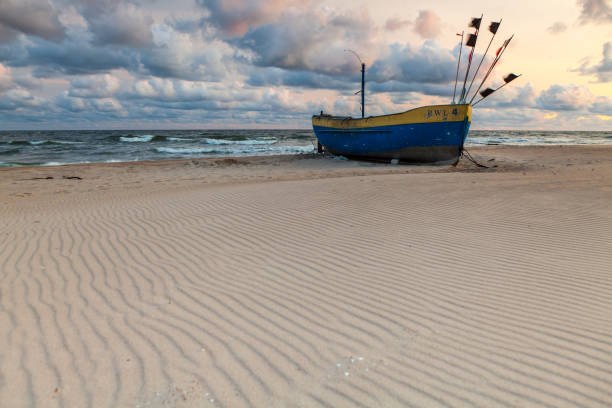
x=371, y=291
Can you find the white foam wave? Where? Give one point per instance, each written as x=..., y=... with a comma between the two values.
x=133, y=139
x=186, y=150
x=65, y=142
x=258, y=141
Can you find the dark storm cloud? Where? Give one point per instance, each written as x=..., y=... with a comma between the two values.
x=7, y=35
x=116, y=22
x=168, y=61
x=565, y=98
x=272, y=76
x=410, y=87
x=602, y=105
x=603, y=70
x=596, y=11
x=511, y=97
x=122, y=28
x=76, y=55
x=428, y=64
x=310, y=41
x=31, y=17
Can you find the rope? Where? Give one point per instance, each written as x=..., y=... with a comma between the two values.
x=467, y=155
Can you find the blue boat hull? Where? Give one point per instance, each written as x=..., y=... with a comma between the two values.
x=425, y=138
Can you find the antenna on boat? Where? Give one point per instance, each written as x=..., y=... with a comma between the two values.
x=507, y=79
x=498, y=56
x=471, y=42
x=458, y=63
x=493, y=27
x=362, y=83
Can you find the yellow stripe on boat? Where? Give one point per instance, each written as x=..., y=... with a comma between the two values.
x=424, y=114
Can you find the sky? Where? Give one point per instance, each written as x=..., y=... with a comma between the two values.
x=216, y=64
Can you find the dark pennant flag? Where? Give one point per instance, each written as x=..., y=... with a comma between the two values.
x=475, y=23
x=487, y=92
x=494, y=26
x=510, y=78
x=471, y=42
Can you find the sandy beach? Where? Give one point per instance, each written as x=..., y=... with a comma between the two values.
x=307, y=281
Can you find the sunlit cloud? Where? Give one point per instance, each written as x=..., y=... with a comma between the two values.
x=427, y=24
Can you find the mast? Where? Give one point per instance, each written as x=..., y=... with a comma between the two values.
x=498, y=56
x=458, y=63
x=493, y=27
x=362, y=90
x=470, y=43
x=362, y=82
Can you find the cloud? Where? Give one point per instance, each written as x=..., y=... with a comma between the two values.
x=428, y=64
x=595, y=11
x=72, y=104
x=6, y=80
x=99, y=86
x=557, y=27
x=512, y=96
x=603, y=70
x=19, y=98
x=75, y=56
x=565, y=98
x=312, y=41
x=394, y=24
x=272, y=76
x=117, y=22
x=427, y=24
x=172, y=90
x=31, y=17
x=237, y=17
x=602, y=105
x=7, y=34
x=107, y=105
x=180, y=55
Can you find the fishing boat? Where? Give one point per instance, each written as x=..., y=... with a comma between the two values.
x=427, y=134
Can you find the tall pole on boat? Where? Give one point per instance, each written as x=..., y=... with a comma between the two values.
x=471, y=42
x=458, y=63
x=362, y=82
x=493, y=27
x=362, y=90
x=498, y=56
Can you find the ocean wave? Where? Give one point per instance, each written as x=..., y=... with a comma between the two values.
x=151, y=138
x=292, y=149
x=176, y=139
x=41, y=142
x=10, y=151
x=258, y=141
x=186, y=150
x=136, y=139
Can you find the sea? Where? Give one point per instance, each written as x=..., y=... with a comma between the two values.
x=57, y=147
